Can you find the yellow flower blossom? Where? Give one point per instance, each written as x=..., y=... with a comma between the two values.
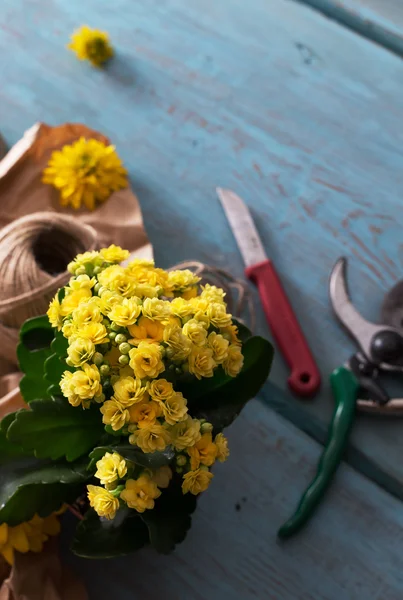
x=83, y=260
x=144, y=414
x=80, y=351
x=95, y=332
x=162, y=476
x=179, y=345
x=129, y=390
x=156, y=309
x=67, y=387
x=55, y=313
x=140, y=493
x=211, y=293
x=196, y=332
x=73, y=299
x=114, y=254
x=116, y=279
x=219, y=346
x=114, y=414
x=87, y=312
x=151, y=438
x=231, y=334
x=185, y=433
x=182, y=279
x=81, y=281
x=201, y=362
x=222, y=447
x=234, y=362
x=86, y=382
x=86, y=172
x=217, y=314
x=92, y=45
x=145, y=290
x=126, y=312
x=140, y=263
x=102, y=501
x=174, y=408
x=190, y=293
x=146, y=330
x=203, y=452
x=28, y=536
x=146, y=360
x=181, y=308
x=196, y=481
x=110, y=468
x=108, y=300
x=161, y=389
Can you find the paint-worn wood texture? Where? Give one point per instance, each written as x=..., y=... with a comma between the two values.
x=350, y=551
x=378, y=20
x=299, y=115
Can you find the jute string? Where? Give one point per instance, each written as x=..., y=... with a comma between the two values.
x=34, y=253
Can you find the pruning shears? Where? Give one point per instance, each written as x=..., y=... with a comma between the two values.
x=355, y=386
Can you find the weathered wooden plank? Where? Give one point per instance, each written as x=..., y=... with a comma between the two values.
x=352, y=549
x=297, y=114
x=378, y=20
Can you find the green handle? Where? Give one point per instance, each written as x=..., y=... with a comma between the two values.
x=345, y=387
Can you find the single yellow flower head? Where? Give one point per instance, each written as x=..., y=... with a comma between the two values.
x=217, y=314
x=85, y=382
x=55, y=314
x=83, y=260
x=234, y=362
x=156, y=310
x=146, y=360
x=82, y=281
x=144, y=414
x=151, y=438
x=140, y=493
x=86, y=172
x=114, y=414
x=67, y=387
x=117, y=279
x=222, y=447
x=196, y=481
x=28, y=536
x=108, y=300
x=174, y=408
x=181, y=308
x=92, y=45
x=203, y=452
x=87, y=312
x=185, y=433
x=95, y=332
x=179, y=345
x=161, y=389
x=114, y=254
x=69, y=329
x=182, y=280
x=196, y=332
x=211, y=293
x=219, y=346
x=201, y=362
x=146, y=330
x=103, y=502
x=162, y=476
x=140, y=263
x=110, y=468
x=126, y=312
x=80, y=351
x=74, y=299
x=129, y=391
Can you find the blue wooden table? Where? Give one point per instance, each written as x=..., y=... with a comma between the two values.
x=297, y=107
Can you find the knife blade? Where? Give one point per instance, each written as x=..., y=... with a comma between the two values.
x=304, y=379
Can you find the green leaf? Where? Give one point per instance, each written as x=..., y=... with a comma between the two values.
x=99, y=538
x=7, y=420
x=9, y=450
x=36, y=333
x=55, y=429
x=29, y=487
x=224, y=403
x=170, y=519
x=59, y=345
x=33, y=385
x=151, y=460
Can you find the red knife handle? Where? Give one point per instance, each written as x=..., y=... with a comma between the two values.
x=304, y=379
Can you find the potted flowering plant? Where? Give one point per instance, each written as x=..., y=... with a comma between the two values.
x=130, y=380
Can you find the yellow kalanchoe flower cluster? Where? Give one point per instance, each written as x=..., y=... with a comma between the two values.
x=133, y=333
x=27, y=537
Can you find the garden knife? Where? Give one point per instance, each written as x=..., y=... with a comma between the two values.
x=304, y=379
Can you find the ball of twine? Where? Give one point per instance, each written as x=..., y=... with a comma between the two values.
x=34, y=253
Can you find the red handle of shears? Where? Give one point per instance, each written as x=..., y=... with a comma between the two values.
x=304, y=379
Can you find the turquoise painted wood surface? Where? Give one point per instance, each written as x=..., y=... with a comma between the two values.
x=351, y=551
x=378, y=20
x=299, y=115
